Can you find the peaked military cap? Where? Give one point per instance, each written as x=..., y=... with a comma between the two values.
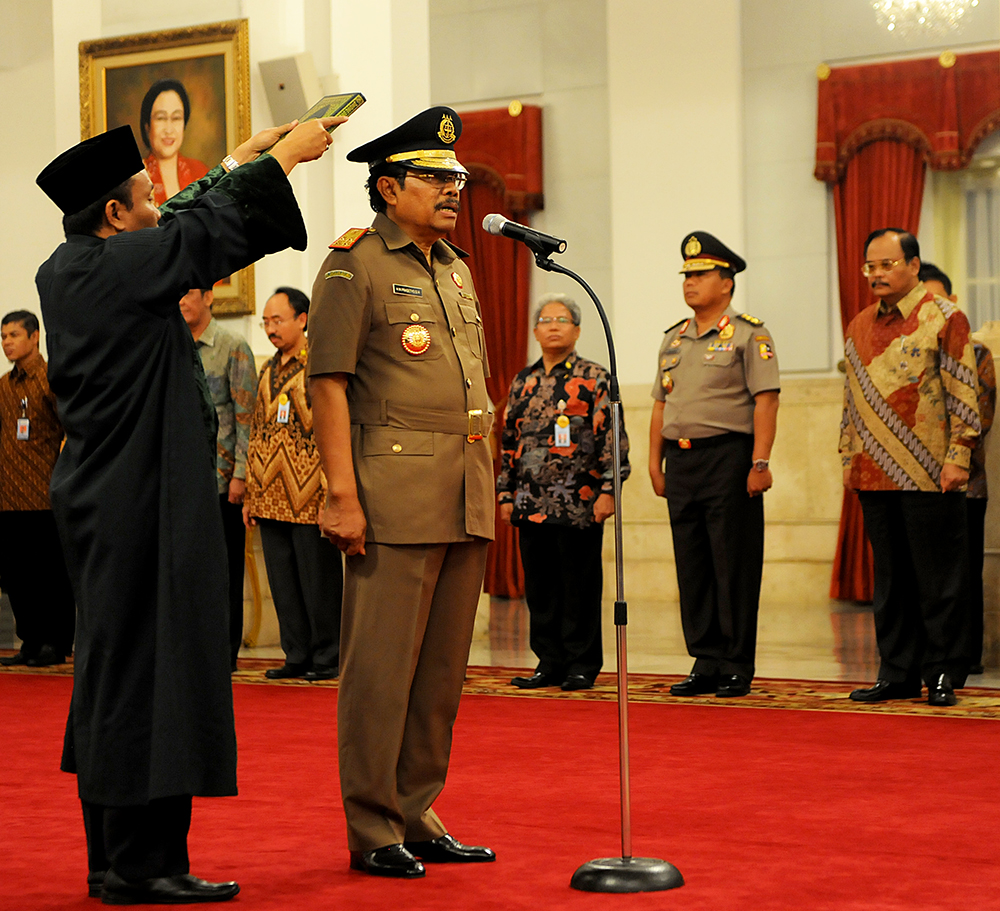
x=702, y=252
x=83, y=174
x=426, y=141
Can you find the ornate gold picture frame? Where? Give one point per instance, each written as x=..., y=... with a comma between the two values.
x=120, y=82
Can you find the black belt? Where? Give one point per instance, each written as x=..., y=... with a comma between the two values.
x=707, y=442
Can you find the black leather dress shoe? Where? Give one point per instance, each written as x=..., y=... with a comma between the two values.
x=183, y=889
x=46, y=657
x=941, y=692
x=95, y=879
x=14, y=660
x=391, y=860
x=322, y=672
x=447, y=850
x=696, y=685
x=536, y=680
x=977, y=669
x=732, y=685
x=886, y=689
x=286, y=671
x=576, y=682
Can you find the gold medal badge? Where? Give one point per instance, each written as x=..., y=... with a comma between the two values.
x=667, y=382
x=446, y=131
x=416, y=339
x=562, y=421
x=726, y=332
x=283, y=399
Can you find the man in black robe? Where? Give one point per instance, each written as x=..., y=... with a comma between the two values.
x=133, y=491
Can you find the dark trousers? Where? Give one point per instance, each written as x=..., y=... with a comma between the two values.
x=235, y=533
x=140, y=842
x=33, y=574
x=562, y=584
x=718, y=532
x=306, y=576
x=976, y=510
x=920, y=544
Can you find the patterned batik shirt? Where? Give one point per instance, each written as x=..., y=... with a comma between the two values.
x=27, y=464
x=232, y=383
x=558, y=485
x=978, y=488
x=911, y=394
x=284, y=478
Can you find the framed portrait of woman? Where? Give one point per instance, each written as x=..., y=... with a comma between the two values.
x=186, y=94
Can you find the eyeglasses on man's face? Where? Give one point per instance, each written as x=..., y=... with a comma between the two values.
x=268, y=321
x=440, y=180
x=880, y=265
x=546, y=320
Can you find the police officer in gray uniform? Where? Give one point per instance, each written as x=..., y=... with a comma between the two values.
x=711, y=432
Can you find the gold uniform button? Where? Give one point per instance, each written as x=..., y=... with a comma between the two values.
x=414, y=318
x=396, y=447
x=468, y=384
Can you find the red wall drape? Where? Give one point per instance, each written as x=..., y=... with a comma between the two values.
x=883, y=186
x=503, y=151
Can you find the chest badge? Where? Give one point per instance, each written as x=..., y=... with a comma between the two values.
x=416, y=339
x=457, y=279
x=726, y=332
x=675, y=343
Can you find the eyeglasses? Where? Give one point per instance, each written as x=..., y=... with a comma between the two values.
x=882, y=265
x=546, y=320
x=440, y=181
x=272, y=321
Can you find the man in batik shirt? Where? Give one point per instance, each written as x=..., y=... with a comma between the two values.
x=556, y=485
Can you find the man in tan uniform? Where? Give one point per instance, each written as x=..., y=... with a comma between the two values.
x=398, y=370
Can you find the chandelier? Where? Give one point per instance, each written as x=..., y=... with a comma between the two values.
x=929, y=17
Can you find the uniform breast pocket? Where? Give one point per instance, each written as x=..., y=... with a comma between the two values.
x=473, y=328
x=412, y=331
x=719, y=367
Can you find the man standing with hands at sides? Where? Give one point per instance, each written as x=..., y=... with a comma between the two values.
x=557, y=485
x=398, y=380
x=285, y=492
x=710, y=436
x=232, y=384
x=910, y=421
x=134, y=492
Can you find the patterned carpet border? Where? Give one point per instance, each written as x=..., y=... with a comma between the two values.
x=805, y=695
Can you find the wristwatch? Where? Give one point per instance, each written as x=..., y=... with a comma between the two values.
x=760, y=464
x=230, y=163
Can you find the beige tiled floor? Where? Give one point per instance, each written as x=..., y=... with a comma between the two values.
x=822, y=641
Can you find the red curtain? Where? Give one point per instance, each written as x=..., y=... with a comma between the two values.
x=503, y=151
x=883, y=186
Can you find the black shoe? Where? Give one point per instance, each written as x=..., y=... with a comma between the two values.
x=447, y=850
x=15, y=660
x=733, y=685
x=286, y=671
x=183, y=889
x=576, y=682
x=392, y=860
x=696, y=685
x=886, y=689
x=977, y=669
x=46, y=657
x=941, y=692
x=95, y=879
x=322, y=672
x=536, y=680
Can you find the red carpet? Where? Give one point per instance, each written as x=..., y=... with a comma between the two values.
x=759, y=809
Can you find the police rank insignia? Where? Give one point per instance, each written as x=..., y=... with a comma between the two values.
x=766, y=351
x=692, y=247
x=752, y=320
x=446, y=131
x=348, y=239
x=667, y=381
x=416, y=339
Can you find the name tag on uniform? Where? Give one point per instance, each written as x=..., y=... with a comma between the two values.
x=23, y=426
x=283, y=407
x=562, y=432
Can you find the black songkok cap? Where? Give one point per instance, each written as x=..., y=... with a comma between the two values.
x=702, y=252
x=84, y=173
x=426, y=142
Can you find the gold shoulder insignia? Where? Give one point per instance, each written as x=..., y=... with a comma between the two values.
x=752, y=320
x=674, y=326
x=348, y=239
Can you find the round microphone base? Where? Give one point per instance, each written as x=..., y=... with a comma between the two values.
x=627, y=874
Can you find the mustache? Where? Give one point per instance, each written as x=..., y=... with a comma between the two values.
x=452, y=204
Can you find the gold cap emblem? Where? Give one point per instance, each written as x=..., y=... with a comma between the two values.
x=692, y=247
x=446, y=131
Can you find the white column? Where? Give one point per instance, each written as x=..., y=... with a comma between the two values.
x=676, y=122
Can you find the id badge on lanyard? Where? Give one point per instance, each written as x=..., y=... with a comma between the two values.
x=23, y=424
x=561, y=440
x=283, y=408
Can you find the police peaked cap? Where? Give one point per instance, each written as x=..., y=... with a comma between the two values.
x=426, y=142
x=92, y=168
x=702, y=252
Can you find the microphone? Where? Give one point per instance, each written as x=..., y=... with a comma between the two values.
x=536, y=240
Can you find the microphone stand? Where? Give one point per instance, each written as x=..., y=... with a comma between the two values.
x=625, y=873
